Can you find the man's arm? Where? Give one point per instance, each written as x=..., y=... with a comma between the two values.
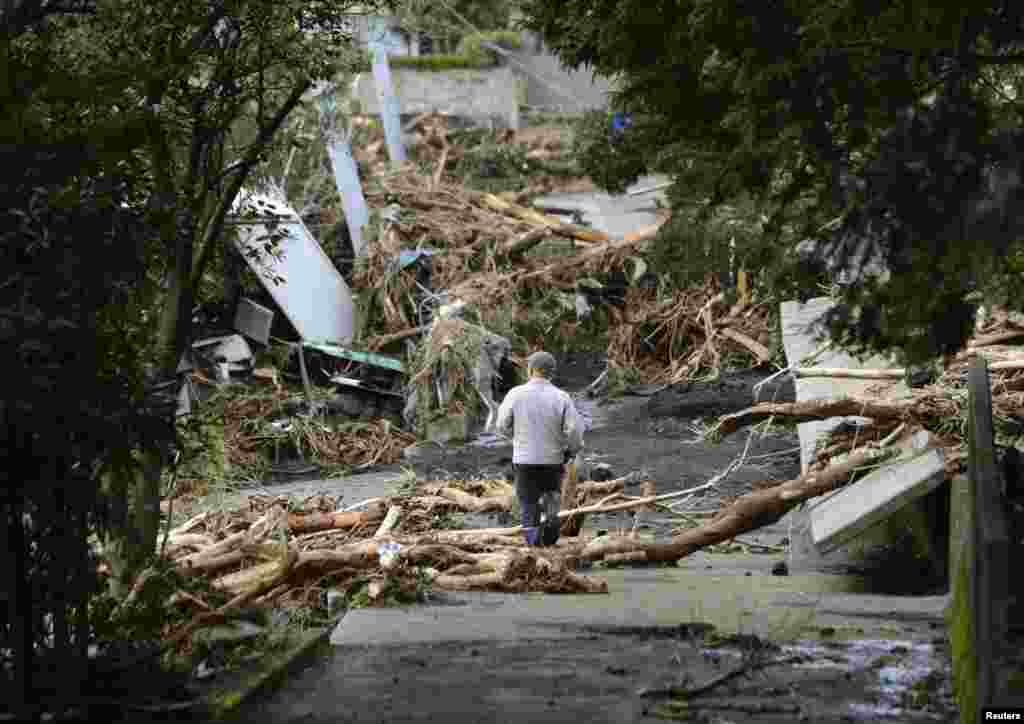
x=572, y=427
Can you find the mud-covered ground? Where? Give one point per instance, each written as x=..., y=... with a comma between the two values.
x=655, y=429
x=598, y=675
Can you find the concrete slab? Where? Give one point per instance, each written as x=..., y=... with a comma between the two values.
x=730, y=596
x=799, y=339
x=878, y=544
x=615, y=215
x=842, y=517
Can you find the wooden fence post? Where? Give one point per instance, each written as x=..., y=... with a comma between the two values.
x=989, y=566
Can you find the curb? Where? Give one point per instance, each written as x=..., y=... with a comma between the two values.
x=227, y=700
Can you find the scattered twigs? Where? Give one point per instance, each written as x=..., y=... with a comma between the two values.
x=749, y=666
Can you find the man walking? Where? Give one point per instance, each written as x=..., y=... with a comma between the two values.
x=547, y=433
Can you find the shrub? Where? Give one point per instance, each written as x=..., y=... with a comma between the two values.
x=471, y=46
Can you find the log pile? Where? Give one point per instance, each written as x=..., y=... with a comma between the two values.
x=276, y=552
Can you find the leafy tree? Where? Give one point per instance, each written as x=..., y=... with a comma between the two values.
x=128, y=129
x=899, y=121
x=448, y=21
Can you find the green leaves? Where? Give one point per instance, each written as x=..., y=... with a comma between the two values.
x=883, y=113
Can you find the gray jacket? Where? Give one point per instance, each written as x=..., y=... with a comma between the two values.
x=545, y=423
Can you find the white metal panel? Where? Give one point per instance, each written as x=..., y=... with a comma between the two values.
x=313, y=295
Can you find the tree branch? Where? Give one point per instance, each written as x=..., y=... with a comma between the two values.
x=215, y=227
x=1015, y=59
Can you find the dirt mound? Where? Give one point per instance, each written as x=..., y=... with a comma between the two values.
x=732, y=392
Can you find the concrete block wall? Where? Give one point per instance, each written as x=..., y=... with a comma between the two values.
x=483, y=95
x=549, y=86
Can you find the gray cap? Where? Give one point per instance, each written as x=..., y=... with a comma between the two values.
x=542, y=362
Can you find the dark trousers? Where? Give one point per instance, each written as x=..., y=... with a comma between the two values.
x=532, y=481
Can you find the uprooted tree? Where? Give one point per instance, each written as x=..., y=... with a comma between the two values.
x=888, y=134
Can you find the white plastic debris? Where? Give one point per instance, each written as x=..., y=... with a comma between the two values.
x=388, y=554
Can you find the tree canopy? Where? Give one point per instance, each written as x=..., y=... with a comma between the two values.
x=127, y=129
x=900, y=122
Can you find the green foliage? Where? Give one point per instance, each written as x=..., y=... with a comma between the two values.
x=612, y=166
x=128, y=130
x=471, y=46
x=469, y=55
x=495, y=167
x=439, y=63
x=902, y=122
x=445, y=23
x=149, y=612
x=447, y=521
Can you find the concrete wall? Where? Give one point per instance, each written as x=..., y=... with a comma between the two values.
x=484, y=95
x=550, y=87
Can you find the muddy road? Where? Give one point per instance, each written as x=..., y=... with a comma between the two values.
x=862, y=658
x=657, y=430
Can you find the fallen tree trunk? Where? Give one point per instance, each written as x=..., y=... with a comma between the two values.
x=810, y=410
x=1015, y=364
x=190, y=525
x=314, y=522
x=535, y=217
x=600, y=489
x=285, y=567
x=383, y=340
x=473, y=504
x=264, y=525
x=760, y=352
x=750, y=512
x=995, y=338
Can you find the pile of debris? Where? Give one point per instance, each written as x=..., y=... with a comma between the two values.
x=535, y=160
x=281, y=554
x=673, y=339
x=925, y=430
x=938, y=407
